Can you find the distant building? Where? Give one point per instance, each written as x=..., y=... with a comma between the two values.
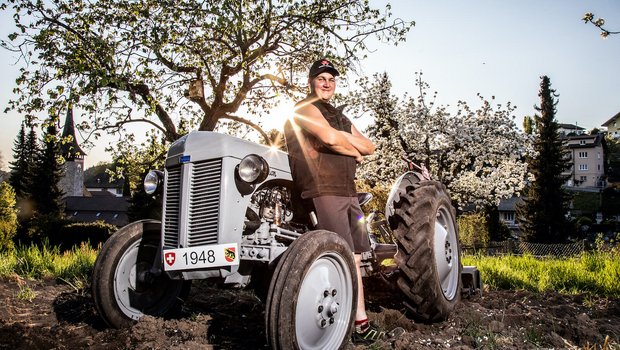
x=570, y=129
x=72, y=183
x=507, y=209
x=110, y=209
x=587, y=159
x=613, y=126
x=100, y=184
x=96, y=200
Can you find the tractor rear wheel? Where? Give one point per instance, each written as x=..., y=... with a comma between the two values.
x=425, y=229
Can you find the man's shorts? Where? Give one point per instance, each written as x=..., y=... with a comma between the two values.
x=343, y=216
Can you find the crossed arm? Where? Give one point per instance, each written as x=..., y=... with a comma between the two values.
x=354, y=145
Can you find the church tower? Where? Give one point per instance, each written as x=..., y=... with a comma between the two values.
x=72, y=182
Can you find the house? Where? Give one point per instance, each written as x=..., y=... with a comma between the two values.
x=570, y=129
x=110, y=209
x=587, y=171
x=507, y=209
x=99, y=184
x=613, y=126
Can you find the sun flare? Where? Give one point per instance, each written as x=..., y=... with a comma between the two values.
x=277, y=116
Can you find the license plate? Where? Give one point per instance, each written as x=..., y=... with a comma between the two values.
x=201, y=257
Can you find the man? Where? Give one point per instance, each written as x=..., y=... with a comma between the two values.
x=324, y=150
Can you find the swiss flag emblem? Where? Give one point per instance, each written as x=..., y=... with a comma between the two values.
x=170, y=258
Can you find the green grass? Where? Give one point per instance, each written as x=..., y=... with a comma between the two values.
x=595, y=273
x=73, y=267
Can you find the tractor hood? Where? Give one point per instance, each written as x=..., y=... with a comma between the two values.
x=203, y=145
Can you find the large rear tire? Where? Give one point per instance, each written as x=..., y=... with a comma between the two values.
x=425, y=229
x=313, y=294
x=123, y=287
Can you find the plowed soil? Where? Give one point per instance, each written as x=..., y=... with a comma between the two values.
x=60, y=317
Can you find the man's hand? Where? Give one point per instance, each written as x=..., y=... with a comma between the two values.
x=359, y=141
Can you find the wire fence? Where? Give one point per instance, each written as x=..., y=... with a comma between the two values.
x=536, y=249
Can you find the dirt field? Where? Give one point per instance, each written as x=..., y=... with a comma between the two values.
x=61, y=318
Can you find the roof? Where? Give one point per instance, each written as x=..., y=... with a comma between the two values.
x=112, y=210
x=570, y=126
x=611, y=119
x=102, y=180
x=594, y=140
x=70, y=150
x=116, y=219
x=97, y=203
x=509, y=204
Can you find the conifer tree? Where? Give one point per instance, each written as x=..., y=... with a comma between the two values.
x=542, y=216
x=19, y=167
x=22, y=169
x=46, y=192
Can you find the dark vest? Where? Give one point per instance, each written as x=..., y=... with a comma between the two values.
x=317, y=170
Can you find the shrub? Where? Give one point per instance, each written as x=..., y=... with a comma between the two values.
x=63, y=233
x=8, y=217
x=75, y=234
x=473, y=230
x=41, y=228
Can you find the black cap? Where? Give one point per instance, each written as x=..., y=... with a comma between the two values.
x=320, y=66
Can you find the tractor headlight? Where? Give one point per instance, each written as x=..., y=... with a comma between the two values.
x=153, y=181
x=253, y=169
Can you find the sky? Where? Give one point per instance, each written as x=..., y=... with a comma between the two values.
x=495, y=48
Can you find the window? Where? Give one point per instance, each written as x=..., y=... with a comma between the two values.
x=582, y=142
x=509, y=216
x=598, y=167
x=583, y=178
x=583, y=166
x=583, y=154
x=599, y=155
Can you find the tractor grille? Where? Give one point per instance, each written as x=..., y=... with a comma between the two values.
x=204, y=199
x=172, y=208
x=202, y=209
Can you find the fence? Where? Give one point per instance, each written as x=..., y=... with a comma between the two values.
x=535, y=249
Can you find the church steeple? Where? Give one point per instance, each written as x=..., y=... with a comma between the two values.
x=70, y=149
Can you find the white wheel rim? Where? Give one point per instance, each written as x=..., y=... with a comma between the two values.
x=125, y=280
x=323, y=308
x=446, y=253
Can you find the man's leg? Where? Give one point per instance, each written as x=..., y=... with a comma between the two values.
x=360, y=314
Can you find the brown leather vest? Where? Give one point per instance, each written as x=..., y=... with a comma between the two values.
x=317, y=170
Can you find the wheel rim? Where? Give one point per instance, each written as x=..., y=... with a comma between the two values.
x=136, y=291
x=446, y=252
x=323, y=310
x=125, y=281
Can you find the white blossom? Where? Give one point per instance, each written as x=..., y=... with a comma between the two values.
x=477, y=153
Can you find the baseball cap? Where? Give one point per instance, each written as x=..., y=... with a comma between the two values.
x=320, y=66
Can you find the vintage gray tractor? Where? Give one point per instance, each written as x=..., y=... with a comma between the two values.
x=230, y=212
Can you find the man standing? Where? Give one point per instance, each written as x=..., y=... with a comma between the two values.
x=324, y=149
